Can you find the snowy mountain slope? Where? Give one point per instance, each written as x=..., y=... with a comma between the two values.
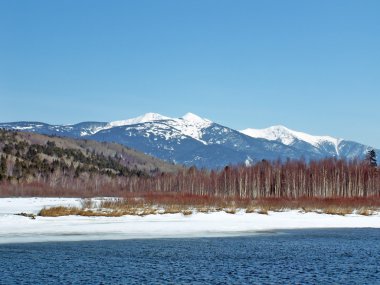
x=148, y=117
x=77, y=130
x=189, y=125
x=325, y=146
x=155, y=138
x=192, y=140
x=288, y=136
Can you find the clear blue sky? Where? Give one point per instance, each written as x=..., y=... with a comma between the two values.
x=313, y=66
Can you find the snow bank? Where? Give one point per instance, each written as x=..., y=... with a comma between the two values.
x=34, y=205
x=74, y=228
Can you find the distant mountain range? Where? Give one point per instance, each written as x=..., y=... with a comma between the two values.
x=191, y=140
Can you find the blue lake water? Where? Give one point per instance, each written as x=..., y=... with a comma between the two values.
x=331, y=256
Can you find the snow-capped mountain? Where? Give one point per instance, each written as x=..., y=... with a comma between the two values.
x=296, y=139
x=192, y=140
x=189, y=125
x=325, y=146
x=288, y=136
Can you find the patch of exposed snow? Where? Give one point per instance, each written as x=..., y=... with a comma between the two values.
x=89, y=131
x=248, y=161
x=191, y=125
x=33, y=205
x=23, y=128
x=190, y=117
x=148, y=117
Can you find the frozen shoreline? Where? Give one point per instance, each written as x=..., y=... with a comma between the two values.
x=17, y=229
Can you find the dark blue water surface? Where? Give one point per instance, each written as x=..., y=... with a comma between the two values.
x=339, y=256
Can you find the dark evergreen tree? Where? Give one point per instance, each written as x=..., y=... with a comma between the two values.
x=371, y=157
x=17, y=169
x=3, y=168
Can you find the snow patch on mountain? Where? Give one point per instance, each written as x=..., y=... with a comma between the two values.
x=190, y=117
x=148, y=117
x=192, y=125
x=189, y=125
x=91, y=130
x=23, y=128
x=288, y=136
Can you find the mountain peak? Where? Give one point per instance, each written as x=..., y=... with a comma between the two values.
x=194, y=118
x=288, y=136
x=148, y=117
x=279, y=127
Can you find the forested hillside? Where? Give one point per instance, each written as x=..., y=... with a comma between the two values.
x=46, y=162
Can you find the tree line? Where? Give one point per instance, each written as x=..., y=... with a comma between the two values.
x=329, y=178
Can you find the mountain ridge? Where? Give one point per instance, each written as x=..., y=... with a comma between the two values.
x=192, y=140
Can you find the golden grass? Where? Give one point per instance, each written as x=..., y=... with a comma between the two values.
x=147, y=211
x=59, y=211
x=366, y=212
x=187, y=212
x=71, y=211
x=250, y=210
x=230, y=211
x=337, y=211
x=262, y=211
x=172, y=204
x=172, y=209
x=204, y=210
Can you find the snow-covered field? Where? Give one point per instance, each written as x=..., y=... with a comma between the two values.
x=74, y=228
